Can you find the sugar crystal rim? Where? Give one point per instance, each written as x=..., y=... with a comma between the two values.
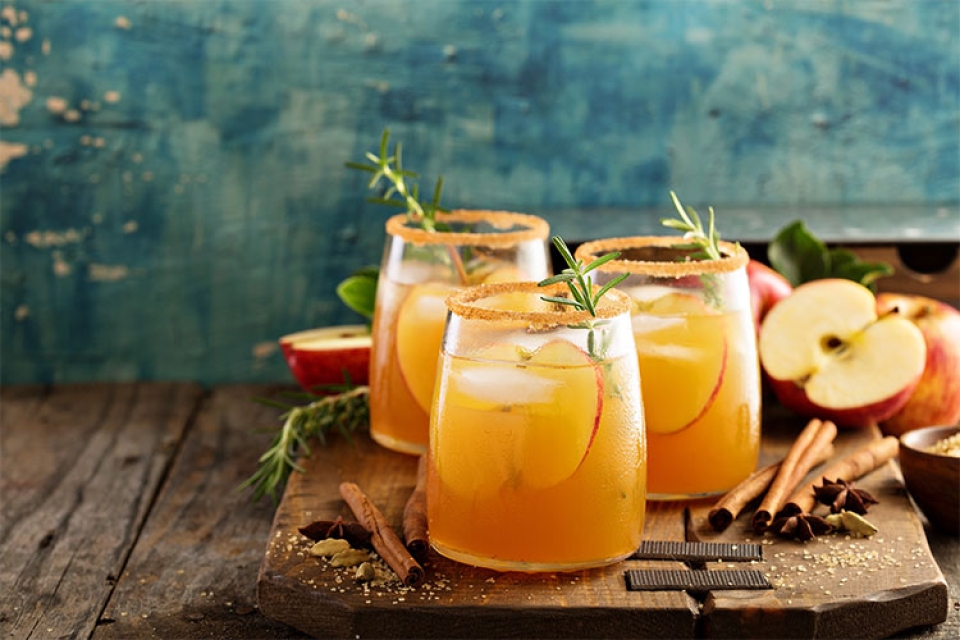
x=466, y=303
x=734, y=257
x=532, y=228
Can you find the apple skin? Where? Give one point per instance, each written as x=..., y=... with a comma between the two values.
x=936, y=400
x=793, y=397
x=767, y=288
x=319, y=357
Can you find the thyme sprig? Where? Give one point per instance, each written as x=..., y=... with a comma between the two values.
x=581, y=287
x=402, y=190
x=345, y=412
x=705, y=243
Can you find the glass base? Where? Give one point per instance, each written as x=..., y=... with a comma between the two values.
x=670, y=497
x=401, y=446
x=528, y=567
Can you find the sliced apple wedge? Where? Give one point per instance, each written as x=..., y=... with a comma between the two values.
x=565, y=398
x=420, y=324
x=828, y=355
x=530, y=423
x=318, y=357
x=680, y=342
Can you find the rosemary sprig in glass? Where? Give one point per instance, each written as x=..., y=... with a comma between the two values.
x=344, y=412
x=581, y=285
x=400, y=193
x=703, y=243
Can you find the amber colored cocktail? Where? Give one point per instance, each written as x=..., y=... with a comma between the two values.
x=537, y=451
x=699, y=372
x=419, y=270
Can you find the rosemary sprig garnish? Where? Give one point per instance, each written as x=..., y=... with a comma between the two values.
x=705, y=243
x=345, y=412
x=400, y=193
x=581, y=286
x=406, y=195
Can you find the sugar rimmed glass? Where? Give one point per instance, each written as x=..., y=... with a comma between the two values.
x=696, y=347
x=419, y=270
x=537, y=456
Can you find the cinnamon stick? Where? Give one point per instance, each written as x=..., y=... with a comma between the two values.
x=415, y=515
x=384, y=539
x=732, y=504
x=858, y=464
x=806, y=449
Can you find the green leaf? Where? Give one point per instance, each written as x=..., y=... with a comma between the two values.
x=799, y=255
x=359, y=292
x=845, y=264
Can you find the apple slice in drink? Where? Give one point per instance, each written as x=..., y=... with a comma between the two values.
x=420, y=324
x=683, y=349
x=564, y=397
x=519, y=417
x=319, y=357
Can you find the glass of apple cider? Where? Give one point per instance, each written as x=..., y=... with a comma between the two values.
x=420, y=268
x=537, y=457
x=696, y=346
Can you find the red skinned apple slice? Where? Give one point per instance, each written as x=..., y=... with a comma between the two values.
x=553, y=450
x=828, y=355
x=318, y=357
x=936, y=400
x=546, y=412
x=420, y=324
x=680, y=343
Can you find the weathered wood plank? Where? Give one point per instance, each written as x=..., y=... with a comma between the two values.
x=456, y=600
x=81, y=466
x=193, y=570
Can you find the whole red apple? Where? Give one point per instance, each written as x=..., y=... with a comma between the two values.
x=828, y=354
x=318, y=357
x=936, y=400
x=767, y=288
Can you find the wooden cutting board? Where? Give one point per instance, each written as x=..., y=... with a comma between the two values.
x=831, y=587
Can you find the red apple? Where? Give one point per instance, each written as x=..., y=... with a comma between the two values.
x=321, y=356
x=829, y=355
x=936, y=400
x=767, y=288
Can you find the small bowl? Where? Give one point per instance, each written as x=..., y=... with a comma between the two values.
x=932, y=479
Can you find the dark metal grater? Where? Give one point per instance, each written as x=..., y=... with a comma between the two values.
x=697, y=551
x=696, y=580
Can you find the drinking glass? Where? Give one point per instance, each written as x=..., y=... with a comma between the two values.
x=699, y=371
x=537, y=456
x=419, y=269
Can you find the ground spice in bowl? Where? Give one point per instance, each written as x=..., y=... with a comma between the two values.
x=949, y=446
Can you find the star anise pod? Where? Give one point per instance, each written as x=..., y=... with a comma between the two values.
x=842, y=496
x=353, y=532
x=802, y=526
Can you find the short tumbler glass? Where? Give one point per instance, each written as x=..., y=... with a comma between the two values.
x=537, y=456
x=699, y=371
x=419, y=270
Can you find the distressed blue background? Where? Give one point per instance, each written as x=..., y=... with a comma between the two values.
x=173, y=190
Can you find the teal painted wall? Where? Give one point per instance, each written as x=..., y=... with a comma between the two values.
x=173, y=190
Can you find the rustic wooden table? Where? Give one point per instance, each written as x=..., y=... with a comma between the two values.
x=121, y=515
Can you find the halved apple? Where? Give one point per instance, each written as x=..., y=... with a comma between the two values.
x=828, y=355
x=420, y=324
x=682, y=347
x=318, y=357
